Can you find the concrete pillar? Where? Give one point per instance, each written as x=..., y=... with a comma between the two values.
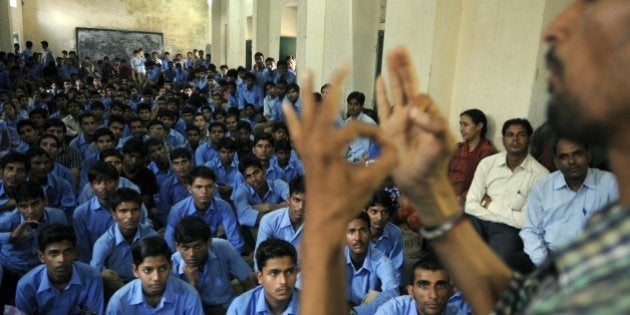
x=266, y=38
x=5, y=27
x=235, y=33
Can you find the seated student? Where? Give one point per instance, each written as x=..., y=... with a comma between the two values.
x=232, y=118
x=370, y=275
x=257, y=196
x=67, y=156
x=92, y=218
x=174, y=189
x=208, y=264
x=134, y=152
x=250, y=94
x=207, y=152
x=154, y=291
x=114, y=158
x=173, y=137
x=60, y=285
x=103, y=139
x=283, y=162
x=18, y=230
x=52, y=146
x=228, y=177
x=204, y=204
x=14, y=166
x=58, y=190
x=28, y=132
x=385, y=235
x=83, y=142
x=193, y=137
x=263, y=150
x=112, y=250
x=429, y=292
x=286, y=223
x=160, y=165
x=116, y=125
x=292, y=98
x=277, y=275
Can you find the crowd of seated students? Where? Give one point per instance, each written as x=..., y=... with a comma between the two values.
x=171, y=178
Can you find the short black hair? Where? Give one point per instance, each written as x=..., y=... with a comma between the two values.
x=274, y=248
x=356, y=95
x=54, y=122
x=152, y=142
x=103, y=132
x=202, y=172
x=124, y=195
x=363, y=216
x=30, y=190
x=152, y=246
x=518, y=121
x=282, y=145
x=16, y=157
x=37, y=151
x=55, y=233
x=49, y=136
x=557, y=139
x=102, y=171
x=293, y=86
x=84, y=116
x=217, y=124
x=181, y=153
x=296, y=186
x=23, y=123
x=428, y=261
x=192, y=229
x=227, y=143
x=259, y=136
x=134, y=145
x=383, y=198
x=110, y=152
x=249, y=160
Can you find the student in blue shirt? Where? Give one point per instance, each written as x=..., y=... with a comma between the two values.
x=114, y=158
x=18, y=235
x=173, y=137
x=370, y=275
x=60, y=285
x=58, y=190
x=385, y=235
x=204, y=203
x=50, y=143
x=175, y=188
x=208, y=264
x=83, y=142
x=15, y=166
x=287, y=167
x=207, y=151
x=286, y=223
x=154, y=291
x=158, y=155
x=428, y=292
x=276, y=294
x=103, y=139
x=257, y=196
x=113, y=249
x=228, y=177
x=93, y=218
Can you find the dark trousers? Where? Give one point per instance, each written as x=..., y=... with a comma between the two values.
x=502, y=238
x=10, y=279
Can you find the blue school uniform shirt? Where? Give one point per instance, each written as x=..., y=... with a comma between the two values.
x=246, y=197
x=179, y=298
x=87, y=193
x=21, y=256
x=376, y=274
x=253, y=302
x=81, y=145
x=406, y=305
x=205, y=154
x=222, y=264
x=36, y=295
x=391, y=244
x=160, y=175
x=171, y=192
x=111, y=251
x=60, y=194
x=218, y=213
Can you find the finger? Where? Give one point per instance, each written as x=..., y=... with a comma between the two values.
x=382, y=104
x=330, y=108
x=435, y=124
x=308, y=103
x=294, y=125
x=407, y=73
x=395, y=86
x=352, y=131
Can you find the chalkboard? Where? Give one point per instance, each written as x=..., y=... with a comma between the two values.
x=97, y=43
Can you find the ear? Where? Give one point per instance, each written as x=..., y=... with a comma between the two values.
x=189, y=188
x=410, y=290
x=259, y=276
x=41, y=256
x=134, y=268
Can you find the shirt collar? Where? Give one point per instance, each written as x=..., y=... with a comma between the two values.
x=120, y=238
x=45, y=285
x=560, y=182
x=96, y=205
x=263, y=308
x=137, y=297
x=367, y=262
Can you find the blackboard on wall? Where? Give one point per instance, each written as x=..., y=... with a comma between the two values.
x=97, y=43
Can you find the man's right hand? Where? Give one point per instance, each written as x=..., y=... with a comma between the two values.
x=24, y=230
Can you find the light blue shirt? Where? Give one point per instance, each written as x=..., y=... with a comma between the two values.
x=160, y=175
x=36, y=295
x=81, y=145
x=205, y=154
x=376, y=274
x=254, y=302
x=21, y=256
x=555, y=213
x=252, y=96
x=87, y=193
x=179, y=298
x=111, y=251
x=218, y=213
x=171, y=192
x=90, y=221
x=406, y=305
x=222, y=264
x=60, y=194
x=246, y=197
x=391, y=244
x=293, y=169
x=175, y=139
x=226, y=175
x=277, y=224
x=278, y=114
x=359, y=148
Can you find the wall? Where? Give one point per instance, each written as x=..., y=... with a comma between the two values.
x=183, y=23
x=288, y=21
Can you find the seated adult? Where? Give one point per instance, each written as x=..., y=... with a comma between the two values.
x=208, y=264
x=60, y=285
x=257, y=196
x=154, y=291
x=358, y=149
x=205, y=204
x=277, y=275
x=384, y=235
x=473, y=126
x=370, y=275
x=15, y=166
x=560, y=204
x=18, y=235
x=497, y=199
x=428, y=292
x=112, y=250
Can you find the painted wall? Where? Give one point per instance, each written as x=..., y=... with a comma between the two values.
x=288, y=21
x=183, y=23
